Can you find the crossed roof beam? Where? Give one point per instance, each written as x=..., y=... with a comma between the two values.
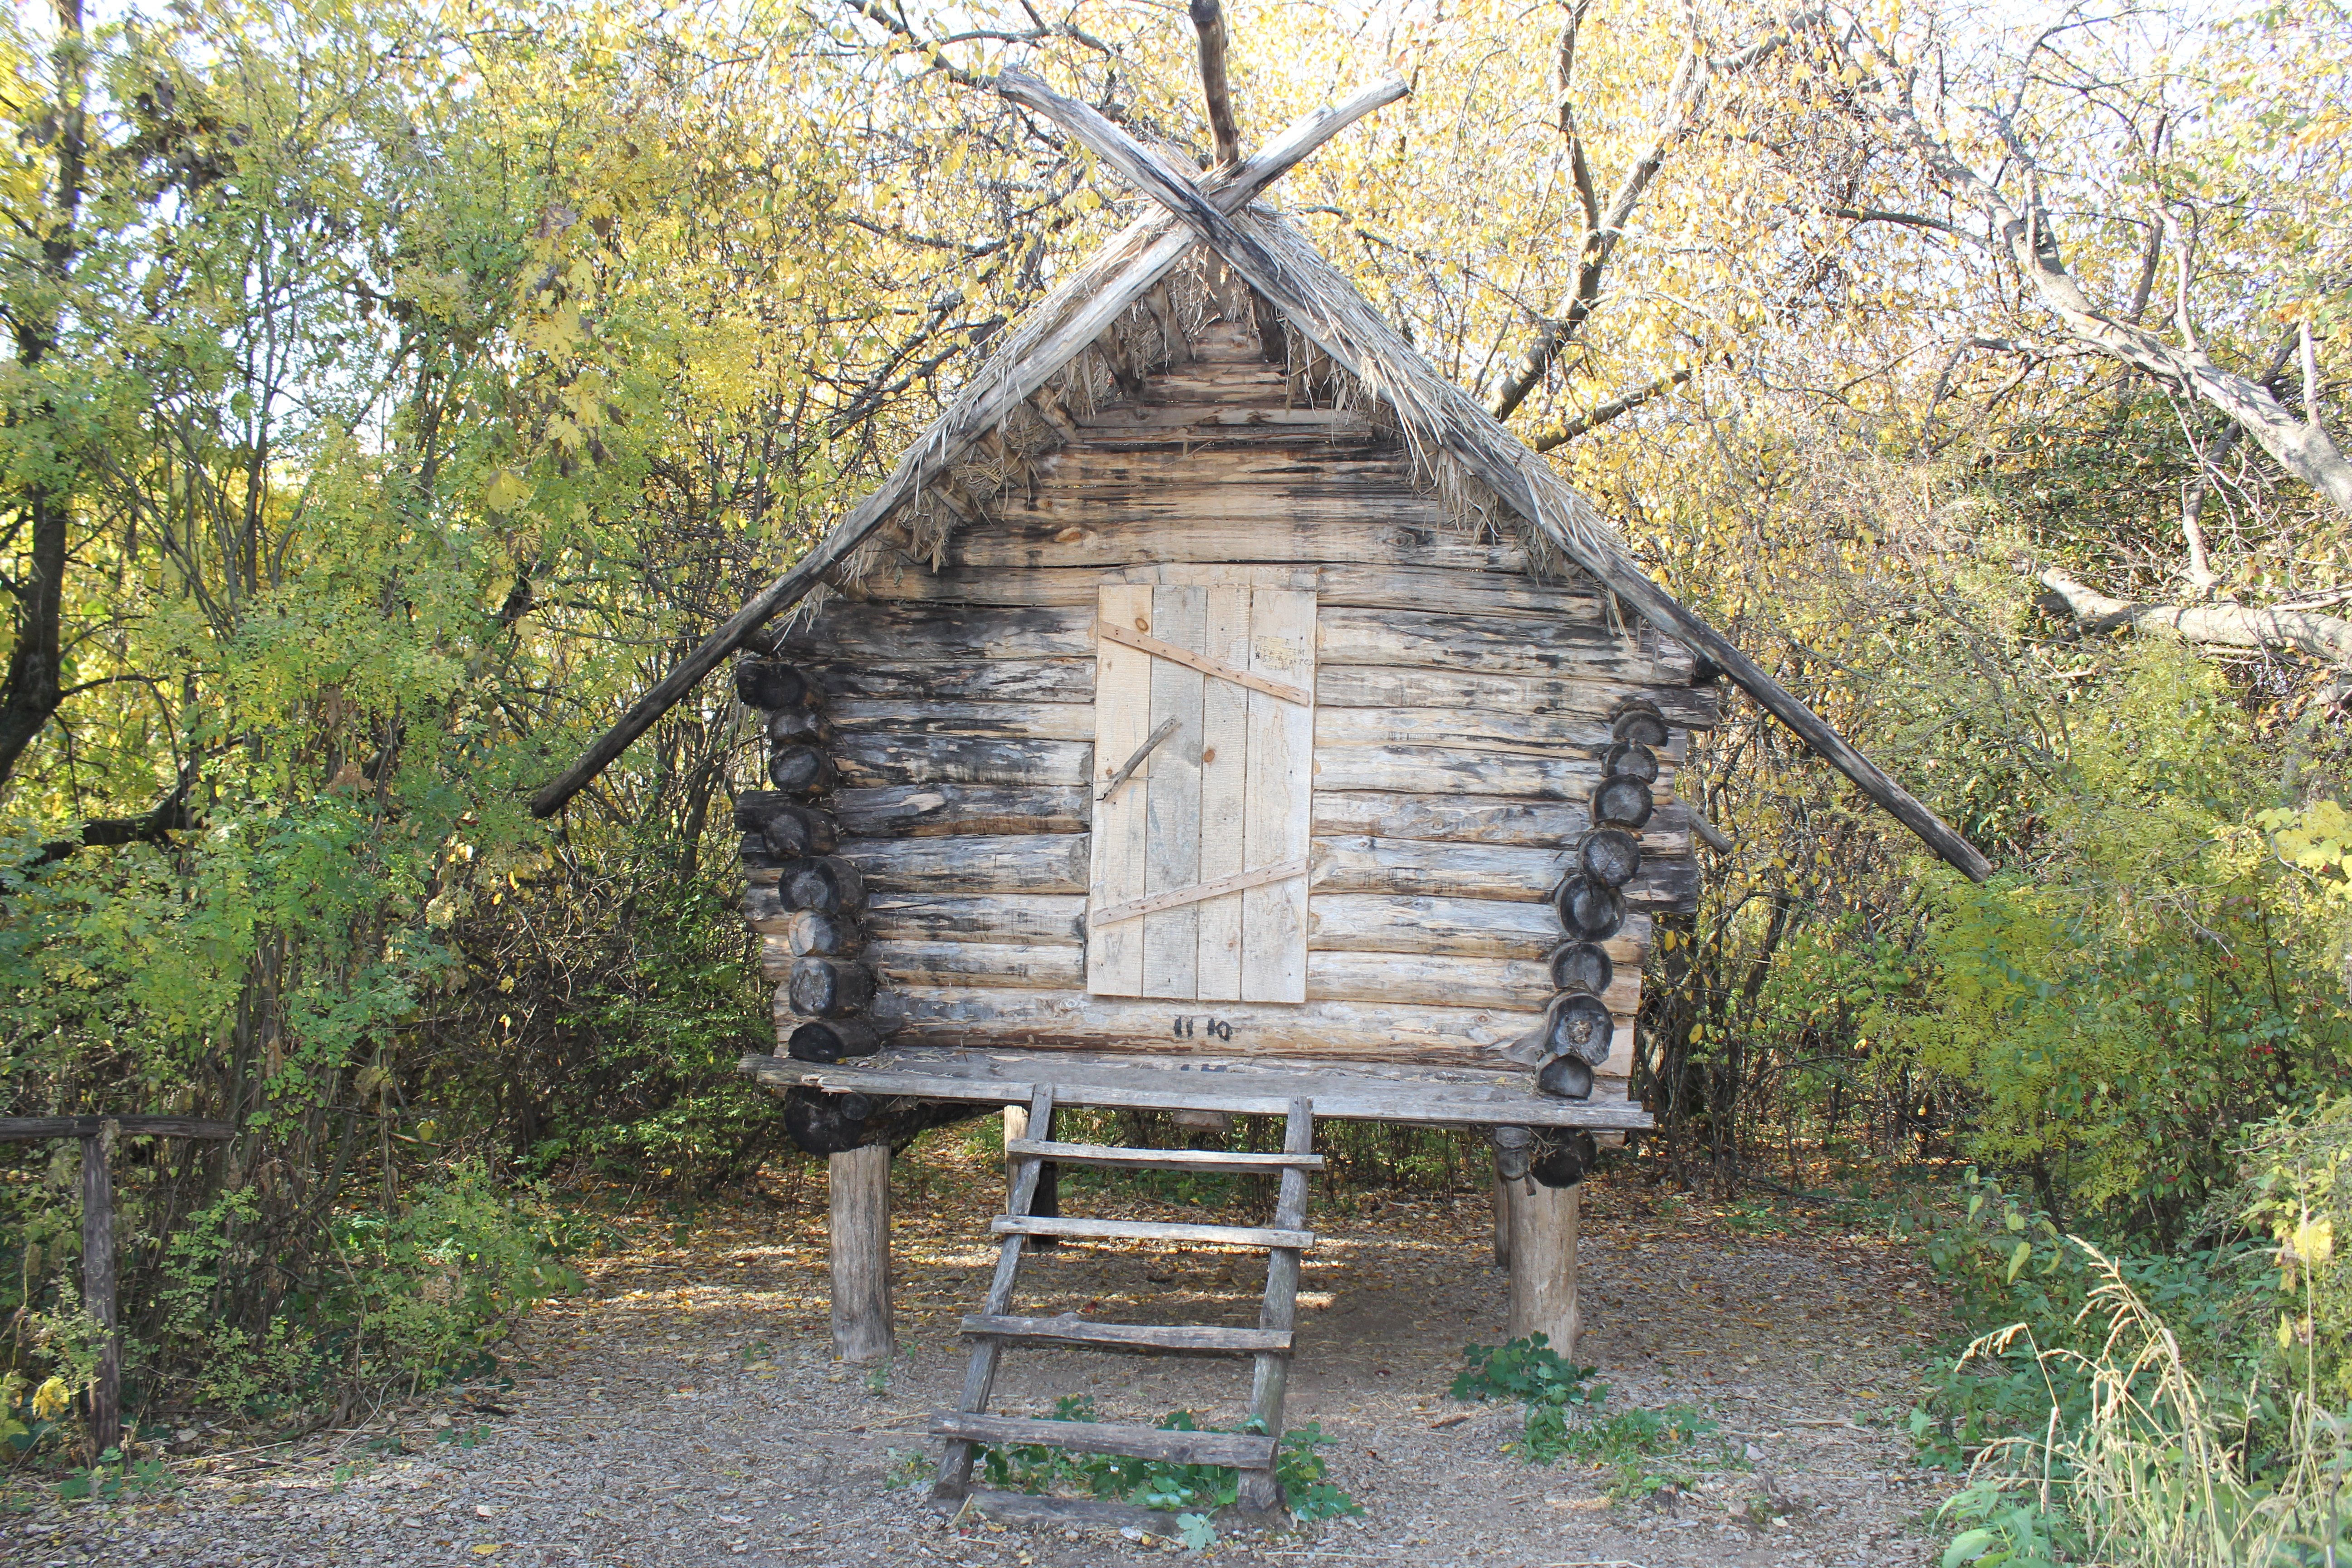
x=1213, y=210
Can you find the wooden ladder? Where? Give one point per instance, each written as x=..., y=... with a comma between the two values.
x=993, y=1329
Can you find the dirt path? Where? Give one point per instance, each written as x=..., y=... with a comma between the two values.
x=685, y=1410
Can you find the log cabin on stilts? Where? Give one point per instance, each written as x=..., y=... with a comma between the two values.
x=1215, y=711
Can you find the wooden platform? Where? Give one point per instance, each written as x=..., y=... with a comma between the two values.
x=1249, y=1086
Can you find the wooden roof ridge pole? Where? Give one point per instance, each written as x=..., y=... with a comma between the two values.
x=1493, y=453
x=1072, y=317
x=1209, y=21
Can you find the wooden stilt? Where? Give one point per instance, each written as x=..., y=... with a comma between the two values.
x=1270, y=1386
x=1048, y=1199
x=98, y=1285
x=1543, y=1262
x=1502, y=1226
x=859, y=1241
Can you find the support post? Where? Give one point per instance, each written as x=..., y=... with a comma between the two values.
x=1047, y=1202
x=858, y=1246
x=1502, y=1225
x=1543, y=1262
x=97, y=1286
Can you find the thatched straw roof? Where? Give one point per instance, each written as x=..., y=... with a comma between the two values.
x=1051, y=360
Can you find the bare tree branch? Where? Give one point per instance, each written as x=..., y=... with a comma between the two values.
x=2301, y=447
x=2224, y=626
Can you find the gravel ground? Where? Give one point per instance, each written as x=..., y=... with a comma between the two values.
x=686, y=1409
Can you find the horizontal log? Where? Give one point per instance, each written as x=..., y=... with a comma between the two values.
x=846, y=627
x=1211, y=1159
x=1481, y=728
x=1012, y=720
x=1140, y=427
x=979, y=963
x=1469, y=928
x=1444, y=770
x=1022, y=919
x=1499, y=646
x=1068, y=532
x=1471, y=689
x=1414, y=868
x=831, y=988
x=1236, y=1450
x=1454, y=1036
x=1362, y=585
x=932, y=810
x=876, y=762
x=984, y=863
x=1417, y=979
x=1180, y=1338
x=1482, y=819
x=23, y=1128
x=954, y=681
x=1260, y=1237
x=1359, y=1091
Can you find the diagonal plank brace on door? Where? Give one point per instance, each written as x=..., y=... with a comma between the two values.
x=1176, y=898
x=1127, y=769
x=1144, y=643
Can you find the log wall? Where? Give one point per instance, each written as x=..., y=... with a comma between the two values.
x=1462, y=720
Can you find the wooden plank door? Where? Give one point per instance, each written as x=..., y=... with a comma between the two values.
x=1199, y=883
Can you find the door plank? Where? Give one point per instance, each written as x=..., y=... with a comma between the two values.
x=1172, y=858
x=1122, y=720
x=1225, y=774
x=1278, y=815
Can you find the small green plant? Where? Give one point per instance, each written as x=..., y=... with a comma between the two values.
x=1631, y=1442
x=468, y=1438
x=110, y=1479
x=758, y=1350
x=1195, y=1531
x=1527, y=1369
x=877, y=1381
x=905, y=1467
x=1195, y=1491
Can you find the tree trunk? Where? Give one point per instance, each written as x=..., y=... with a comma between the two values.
x=98, y=1288
x=858, y=1244
x=2327, y=637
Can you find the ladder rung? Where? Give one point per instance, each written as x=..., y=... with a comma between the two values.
x=1149, y=1230
x=1068, y=1329
x=1242, y=1451
x=1159, y=1159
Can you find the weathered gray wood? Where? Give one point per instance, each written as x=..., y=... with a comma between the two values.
x=1239, y=1450
x=1051, y=919
x=932, y=810
x=1247, y=1235
x=954, y=1477
x=1214, y=1160
x=1543, y=1222
x=858, y=1246
x=17, y=1129
x=960, y=633
x=829, y=1040
x=1224, y=783
x=1410, y=980
x=1144, y=519
x=813, y=931
x=1190, y=427
x=867, y=760
x=978, y=963
x=1068, y=1330
x=1442, y=770
x=1498, y=730
x=1501, y=646
x=981, y=863
x=1413, y=867
x=1093, y=297
x=1474, y=928
x=1460, y=1037
x=1482, y=819
x=1342, y=1091
x=1010, y=720
x=1005, y=680
x=1393, y=686
x=1278, y=808
x=1171, y=938
x=1365, y=585
x=1120, y=834
x=1271, y=1381
x=829, y=987
x=830, y=884
x=800, y=770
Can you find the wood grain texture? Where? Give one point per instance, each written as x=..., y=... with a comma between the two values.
x=1151, y=1230
x=1018, y=918
x=1127, y=1159
x=1178, y=1338
x=880, y=761
x=1469, y=928
x=1482, y=819
x=1500, y=645
x=950, y=681
x=1102, y=1437
x=1224, y=789
x=1459, y=1036
x=949, y=715
x=988, y=862
x=933, y=809
x=1368, y=585
x=1278, y=808
x=1172, y=856
x=1123, y=683
x=1363, y=1091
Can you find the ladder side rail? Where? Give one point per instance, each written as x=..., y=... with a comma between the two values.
x=954, y=1477
x=1271, y=1386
